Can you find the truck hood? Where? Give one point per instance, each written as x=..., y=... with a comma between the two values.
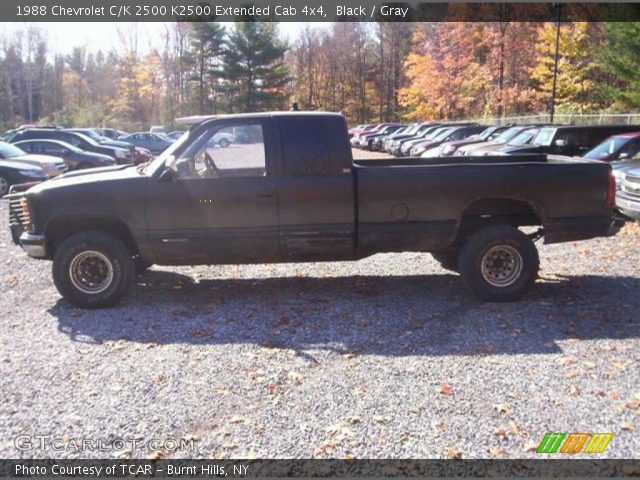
x=100, y=175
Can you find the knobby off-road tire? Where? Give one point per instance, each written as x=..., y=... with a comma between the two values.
x=499, y=263
x=93, y=269
x=447, y=260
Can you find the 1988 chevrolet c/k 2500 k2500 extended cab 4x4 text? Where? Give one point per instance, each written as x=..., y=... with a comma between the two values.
x=286, y=189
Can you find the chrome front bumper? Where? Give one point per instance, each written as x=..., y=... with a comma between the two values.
x=34, y=245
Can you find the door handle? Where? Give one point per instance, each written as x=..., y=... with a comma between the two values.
x=265, y=195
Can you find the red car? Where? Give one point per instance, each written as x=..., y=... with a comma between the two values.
x=142, y=155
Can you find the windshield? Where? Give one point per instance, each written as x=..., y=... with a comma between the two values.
x=523, y=137
x=10, y=151
x=483, y=135
x=162, y=158
x=444, y=134
x=508, y=134
x=410, y=130
x=544, y=137
x=606, y=148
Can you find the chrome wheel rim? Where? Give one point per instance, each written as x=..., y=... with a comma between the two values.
x=4, y=186
x=502, y=266
x=91, y=272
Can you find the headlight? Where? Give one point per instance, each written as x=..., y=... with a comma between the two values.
x=448, y=149
x=418, y=150
x=32, y=173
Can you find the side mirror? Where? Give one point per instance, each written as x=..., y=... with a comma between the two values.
x=623, y=156
x=167, y=175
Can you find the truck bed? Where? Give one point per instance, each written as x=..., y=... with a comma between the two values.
x=419, y=204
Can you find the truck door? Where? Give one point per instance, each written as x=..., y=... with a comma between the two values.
x=316, y=189
x=221, y=204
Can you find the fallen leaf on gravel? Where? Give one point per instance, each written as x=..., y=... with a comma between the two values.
x=236, y=419
x=155, y=456
x=355, y=419
x=619, y=365
x=573, y=390
x=295, y=377
x=502, y=407
x=496, y=451
x=600, y=393
x=613, y=395
x=637, y=396
x=445, y=389
x=530, y=446
x=514, y=428
x=629, y=426
x=453, y=453
x=501, y=432
x=271, y=387
x=380, y=418
x=338, y=429
x=571, y=374
x=632, y=404
x=590, y=365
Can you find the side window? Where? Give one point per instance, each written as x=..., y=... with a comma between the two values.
x=225, y=151
x=52, y=148
x=72, y=139
x=305, y=147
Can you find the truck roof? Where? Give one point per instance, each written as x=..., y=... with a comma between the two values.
x=196, y=119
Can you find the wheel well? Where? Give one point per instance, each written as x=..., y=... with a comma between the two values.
x=492, y=211
x=61, y=228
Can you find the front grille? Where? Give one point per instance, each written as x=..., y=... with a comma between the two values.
x=17, y=216
x=631, y=179
x=631, y=185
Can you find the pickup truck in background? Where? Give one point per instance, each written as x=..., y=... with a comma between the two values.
x=291, y=192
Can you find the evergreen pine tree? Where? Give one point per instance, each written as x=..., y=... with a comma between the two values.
x=254, y=66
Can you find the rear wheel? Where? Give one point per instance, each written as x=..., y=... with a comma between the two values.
x=499, y=263
x=93, y=269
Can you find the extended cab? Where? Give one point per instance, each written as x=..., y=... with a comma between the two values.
x=287, y=190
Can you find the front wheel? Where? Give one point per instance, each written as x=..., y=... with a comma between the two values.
x=93, y=269
x=4, y=186
x=499, y=263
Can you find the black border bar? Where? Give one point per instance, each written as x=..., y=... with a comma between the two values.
x=531, y=468
x=311, y=11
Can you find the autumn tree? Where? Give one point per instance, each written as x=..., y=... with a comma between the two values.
x=578, y=88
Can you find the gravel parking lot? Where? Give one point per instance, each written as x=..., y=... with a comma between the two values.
x=387, y=357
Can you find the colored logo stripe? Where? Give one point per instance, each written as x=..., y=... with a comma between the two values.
x=550, y=443
x=598, y=442
x=574, y=443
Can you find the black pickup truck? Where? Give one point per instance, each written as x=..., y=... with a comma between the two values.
x=286, y=189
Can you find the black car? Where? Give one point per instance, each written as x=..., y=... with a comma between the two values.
x=75, y=158
x=574, y=140
x=96, y=135
x=13, y=173
x=76, y=139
